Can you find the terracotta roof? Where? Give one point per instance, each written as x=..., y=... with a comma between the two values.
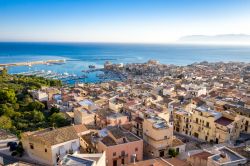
x=224, y=121
x=55, y=136
x=160, y=162
x=177, y=142
x=177, y=162
x=203, y=155
x=80, y=128
x=115, y=132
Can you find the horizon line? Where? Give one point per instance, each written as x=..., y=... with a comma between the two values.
x=145, y=43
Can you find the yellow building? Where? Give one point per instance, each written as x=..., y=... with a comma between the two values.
x=203, y=123
x=158, y=136
x=49, y=146
x=182, y=120
x=208, y=125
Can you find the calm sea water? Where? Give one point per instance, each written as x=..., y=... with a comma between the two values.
x=80, y=55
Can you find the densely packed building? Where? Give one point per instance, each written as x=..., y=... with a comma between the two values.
x=149, y=115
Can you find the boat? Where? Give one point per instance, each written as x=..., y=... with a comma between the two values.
x=91, y=66
x=65, y=73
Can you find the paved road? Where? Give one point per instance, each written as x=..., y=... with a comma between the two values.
x=9, y=159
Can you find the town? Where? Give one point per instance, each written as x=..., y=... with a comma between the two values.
x=157, y=115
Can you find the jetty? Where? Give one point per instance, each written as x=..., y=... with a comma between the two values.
x=61, y=61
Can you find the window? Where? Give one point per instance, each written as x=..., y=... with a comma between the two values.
x=136, y=149
x=177, y=150
x=123, y=153
x=161, y=153
x=45, y=150
x=124, y=140
x=31, y=146
x=197, y=120
x=207, y=124
x=114, y=154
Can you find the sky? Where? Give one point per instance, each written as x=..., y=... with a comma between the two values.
x=135, y=21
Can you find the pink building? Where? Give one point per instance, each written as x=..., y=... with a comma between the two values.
x=121, y=147
x=117, y=119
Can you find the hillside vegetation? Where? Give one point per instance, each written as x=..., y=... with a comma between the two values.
x=19, y=111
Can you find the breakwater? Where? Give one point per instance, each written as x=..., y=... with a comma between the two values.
x=47, y=62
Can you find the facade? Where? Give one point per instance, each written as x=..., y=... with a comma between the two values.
x=182, y=122
x=121, y=147
x=137, y=128
x=178, y=146
x=117, y=119
x=203, y=123
x=49, y=146
x=115, y=104
x=158, y=136
x=208, y=125
x=83, y=116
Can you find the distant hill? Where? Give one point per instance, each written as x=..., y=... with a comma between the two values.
x=224, y=38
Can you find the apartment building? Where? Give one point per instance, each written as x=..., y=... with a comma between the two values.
x=203, y=123
x=208, y=125
x=121, y=147
x=182, y=122
x=158, y=135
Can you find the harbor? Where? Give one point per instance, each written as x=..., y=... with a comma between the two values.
x=62, y=70
x=53, y=75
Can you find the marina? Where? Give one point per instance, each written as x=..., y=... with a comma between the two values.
x=53, y=75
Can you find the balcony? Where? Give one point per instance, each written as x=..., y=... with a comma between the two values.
x=206, y=126
x=123, y=155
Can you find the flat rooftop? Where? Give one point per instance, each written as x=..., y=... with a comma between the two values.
x=118, y=133
x=158, y=122
x=224, y=155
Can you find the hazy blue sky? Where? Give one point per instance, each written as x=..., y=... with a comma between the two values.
x=120, y=20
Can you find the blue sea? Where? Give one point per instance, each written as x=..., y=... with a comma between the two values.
x=80, y=55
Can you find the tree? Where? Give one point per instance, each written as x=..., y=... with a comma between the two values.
x=37, y=116
x=4, y=72
x=7, y=96
x=58, y=120
x=25, y=99
x=54, y=110
x=36, y=105
x=56, y=83
x=7, y=110
x=172, y=152
x=5, y=122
